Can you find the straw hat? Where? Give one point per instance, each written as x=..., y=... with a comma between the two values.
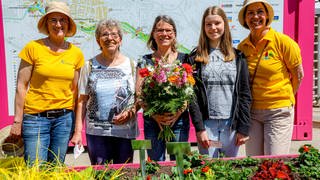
x=9, y=145
x=59, y=7
x=247, y=3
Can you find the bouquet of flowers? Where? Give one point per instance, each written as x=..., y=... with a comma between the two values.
x=166, y=89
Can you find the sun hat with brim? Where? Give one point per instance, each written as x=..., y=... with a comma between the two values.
x=246, y=3
x=10, y=145
x=59, y=7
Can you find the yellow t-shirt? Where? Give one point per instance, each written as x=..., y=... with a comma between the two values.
x=272, y=86
x=52, y=76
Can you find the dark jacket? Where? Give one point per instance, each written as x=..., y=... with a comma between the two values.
x=241, y=99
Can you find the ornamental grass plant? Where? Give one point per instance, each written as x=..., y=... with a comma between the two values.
x=195, y=166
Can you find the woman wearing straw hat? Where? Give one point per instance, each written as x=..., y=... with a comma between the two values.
x=275, y=67
x=47, y=86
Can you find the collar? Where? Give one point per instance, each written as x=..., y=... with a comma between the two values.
x=268, y=37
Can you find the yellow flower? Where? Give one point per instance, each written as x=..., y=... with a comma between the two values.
x=191, y=80
x=177, y=69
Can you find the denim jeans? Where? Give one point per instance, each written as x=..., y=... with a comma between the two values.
x=103, y=149
x=151, y=131
x=46, y=139
x=220, y=130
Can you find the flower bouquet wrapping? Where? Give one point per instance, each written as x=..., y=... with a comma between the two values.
x=166, y=88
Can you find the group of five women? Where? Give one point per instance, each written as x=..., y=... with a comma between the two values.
x=241, y=96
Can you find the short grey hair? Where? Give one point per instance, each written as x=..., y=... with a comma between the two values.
x=108, y=23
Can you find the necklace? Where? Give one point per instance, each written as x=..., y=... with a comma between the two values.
x=168, y=57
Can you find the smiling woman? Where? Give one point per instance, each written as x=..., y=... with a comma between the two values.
x=106, y=89
x=275, y=66
x=47, y=80
x=163, y=43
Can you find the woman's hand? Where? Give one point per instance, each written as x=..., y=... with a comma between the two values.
x=124, y=116
x=16, y=129
x=202, y=138
x=241, y=139
x=169, y=119
x=164, y=119
x=77, y=138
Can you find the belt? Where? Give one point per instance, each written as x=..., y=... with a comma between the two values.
x=50, y=114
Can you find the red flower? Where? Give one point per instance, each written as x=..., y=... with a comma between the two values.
x=144, y=72
x=152, y=84
x=188, y=68
x=148, y=177
x=282, y=175
x=149, y=159
x=306, y=149
x=205, y=169
x=187, y=171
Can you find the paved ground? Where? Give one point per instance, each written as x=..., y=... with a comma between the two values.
x=83, y=160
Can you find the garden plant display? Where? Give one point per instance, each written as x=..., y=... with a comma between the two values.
x=196, y=166
x=166, y=88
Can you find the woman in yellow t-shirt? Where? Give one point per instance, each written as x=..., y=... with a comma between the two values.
x=275, y=67
x=47, y=87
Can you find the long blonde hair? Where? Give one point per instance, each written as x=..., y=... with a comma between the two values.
x=225, y=42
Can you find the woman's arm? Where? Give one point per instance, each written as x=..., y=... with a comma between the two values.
x=24, y=76
x=80, y=116
x=296, y=77
x=243, y=116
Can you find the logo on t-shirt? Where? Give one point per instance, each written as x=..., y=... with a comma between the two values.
x=65, y=62
x=268, y=55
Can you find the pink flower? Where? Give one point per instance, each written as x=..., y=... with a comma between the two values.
x=161, y=77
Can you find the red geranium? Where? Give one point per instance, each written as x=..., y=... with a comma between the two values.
x=187, y=171
x=205, y=169
x=306, y=149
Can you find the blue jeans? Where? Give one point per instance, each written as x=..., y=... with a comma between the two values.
x=103, y=149
x=46, y=139
x=220, y=130
x=151, y=131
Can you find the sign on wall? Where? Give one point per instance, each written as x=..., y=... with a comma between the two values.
x=20, y=19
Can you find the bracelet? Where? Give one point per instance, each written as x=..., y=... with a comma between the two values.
x=16, y=122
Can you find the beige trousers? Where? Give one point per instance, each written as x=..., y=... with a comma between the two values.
x=270, y=132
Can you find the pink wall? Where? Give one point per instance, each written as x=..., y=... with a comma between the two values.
x=297, y=23
x=4, y=112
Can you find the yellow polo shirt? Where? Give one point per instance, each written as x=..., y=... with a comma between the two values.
x=52, y=76
x=272, y=86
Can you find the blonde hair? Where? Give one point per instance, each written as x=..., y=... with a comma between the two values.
x=225, y=42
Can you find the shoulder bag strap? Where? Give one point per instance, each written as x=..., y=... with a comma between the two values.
x=255, y=70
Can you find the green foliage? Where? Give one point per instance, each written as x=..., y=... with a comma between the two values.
x=307, y=165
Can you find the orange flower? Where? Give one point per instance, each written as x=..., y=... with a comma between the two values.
x=191, y=80
x=173, y=79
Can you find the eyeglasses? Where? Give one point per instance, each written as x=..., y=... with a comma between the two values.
x=259, y=12
x=55, y=21
x=114, y=35
x=162, y=31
